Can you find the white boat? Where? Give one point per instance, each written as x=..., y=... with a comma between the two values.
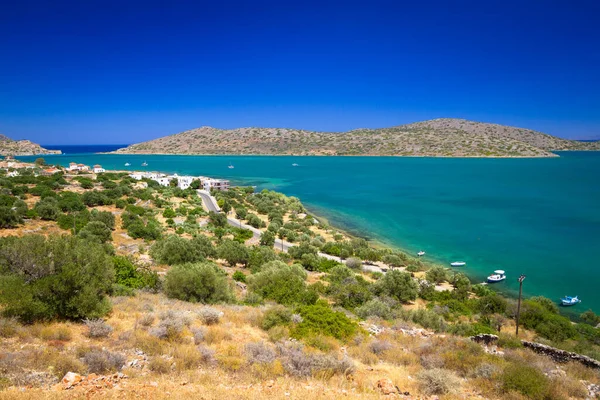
x=144, y=164
x=570, y=301
x=421, y=253
x=458, y=263
x=294, y=165
x=127, y=164
x=498, y=276
x=231, y=166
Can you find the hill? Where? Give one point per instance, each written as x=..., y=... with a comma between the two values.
x=9, y=147
x=435, y=138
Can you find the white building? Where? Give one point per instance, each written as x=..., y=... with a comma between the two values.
x=98, y=169
x=77, y=167
x=218, y=184
x=183, y=182
x=12, y=174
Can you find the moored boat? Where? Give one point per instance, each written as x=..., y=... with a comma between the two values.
x=497, y=276
x=127, y=164
x=144, y=164
x=458, y=263
x=421, y=253
x=231, y=166
x=294, y=165
x=570, y=301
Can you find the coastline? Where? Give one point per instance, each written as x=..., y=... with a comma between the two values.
x=553, y=155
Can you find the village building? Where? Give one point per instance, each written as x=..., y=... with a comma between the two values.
x=98, y=169
x=74, y=167
x=183, y=182
x=49, y=171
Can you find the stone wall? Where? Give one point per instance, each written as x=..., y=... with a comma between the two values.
x=561, y=356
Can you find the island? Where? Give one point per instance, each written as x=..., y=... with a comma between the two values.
x=444, y=137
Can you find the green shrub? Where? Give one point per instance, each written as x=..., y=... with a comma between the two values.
x=233, y=252
x=320, y=319
x=9, y=218
x=259, y=256
x=96, y=232
x=274, y=316
x=201, y=282
x=56, y=277
x=70, y=201
x=239, y=276
x=47, y=209
x=128, y=275
x=436, y=274
x=375, y=308
x=556, y=328
x=492, y=304
x=283, y=283
x=398, y=285
x=174, y=250
x=524, y=379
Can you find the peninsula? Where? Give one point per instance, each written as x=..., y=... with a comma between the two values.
x=9, y=147
x=435, y=138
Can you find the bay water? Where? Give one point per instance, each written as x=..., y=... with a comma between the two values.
x=538, y=217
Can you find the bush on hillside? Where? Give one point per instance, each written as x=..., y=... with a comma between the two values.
x=174, y=250
x=436, y=274
x=201, y=282
x=96, y=232
x=397, y=285
x=130, y=276
x=527, y=380
x=233, y=252
x=274, y=316
x=320, y=319
x=57, y=277
x=47, y=209
x=9, y=218
x=282, y=283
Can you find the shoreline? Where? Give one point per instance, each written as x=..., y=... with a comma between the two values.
x=554, y=155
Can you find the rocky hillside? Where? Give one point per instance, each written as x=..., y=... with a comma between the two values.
x=9, y=147
x=439, y=137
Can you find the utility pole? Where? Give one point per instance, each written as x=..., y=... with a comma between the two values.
x=521, y=279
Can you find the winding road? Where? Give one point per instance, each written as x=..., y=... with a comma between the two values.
x=211, y=205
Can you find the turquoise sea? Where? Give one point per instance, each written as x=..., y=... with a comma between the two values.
x=539, y=217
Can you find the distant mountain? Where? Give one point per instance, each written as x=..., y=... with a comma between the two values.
x=9, y=147
x=444, y=137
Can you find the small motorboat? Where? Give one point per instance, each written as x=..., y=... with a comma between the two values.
x=231, y=166
x=497, y=276
x=144, y=164
x=458, y=263
x=294, y=165
x=127, y=164
x=421, y=253
x=569, y=301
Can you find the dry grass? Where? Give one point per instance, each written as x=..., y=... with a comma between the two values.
x=238, y=359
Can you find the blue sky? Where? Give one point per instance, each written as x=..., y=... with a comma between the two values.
x=122, y=72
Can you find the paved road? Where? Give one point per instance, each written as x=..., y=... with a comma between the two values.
x=211, y=205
